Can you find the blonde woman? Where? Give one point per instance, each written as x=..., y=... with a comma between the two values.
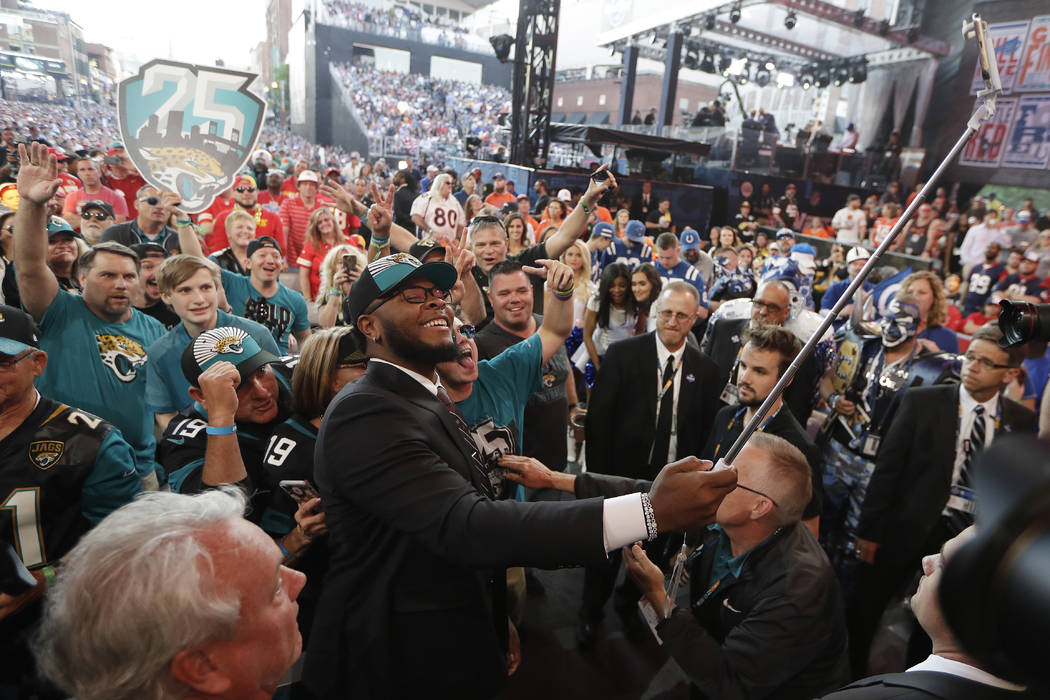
x=335, y=283
x=437, y=214
x=322, y=234
x=927, y=287
x=578, y=258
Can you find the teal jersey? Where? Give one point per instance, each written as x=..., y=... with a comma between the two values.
x=283, y=313
x=495, y=409
x=167, y=390
x=100, y=367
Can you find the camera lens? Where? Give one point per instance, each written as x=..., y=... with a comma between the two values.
x=1023, y=321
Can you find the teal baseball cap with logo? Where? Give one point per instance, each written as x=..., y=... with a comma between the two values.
x=382, y=276
x=225, y=344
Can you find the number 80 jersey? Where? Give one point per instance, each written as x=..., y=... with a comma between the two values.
x=61, y=471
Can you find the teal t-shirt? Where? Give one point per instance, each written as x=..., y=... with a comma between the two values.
x=167, y=390
x=283, y=313
x=495, y=409
x=100, y=367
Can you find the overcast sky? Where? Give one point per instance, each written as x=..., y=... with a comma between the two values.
x=194, y=31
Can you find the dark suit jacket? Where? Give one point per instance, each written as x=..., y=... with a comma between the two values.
x=621, y=415
x=922, y=685
x=406, y=608
x=913, y=468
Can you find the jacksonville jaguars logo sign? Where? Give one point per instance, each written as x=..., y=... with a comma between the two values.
x=189, y=129
x=46, y=453
x=124, y=356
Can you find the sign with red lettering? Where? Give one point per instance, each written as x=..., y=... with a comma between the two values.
x=1008, y=39
x=1033, y=75
x=985, y=149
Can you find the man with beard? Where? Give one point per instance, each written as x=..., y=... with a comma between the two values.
x=763, y=359
x=63, y=253
x=91, y=177
x=246, y=198
x=419, y=544
x=272, y=198
x=95, y=217
x=151, y=257
x=696, y=257
x=499, y=195
x=546, y=416
x=921, y=232
x=983, y=279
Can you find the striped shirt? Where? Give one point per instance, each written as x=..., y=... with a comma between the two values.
x=295, y=216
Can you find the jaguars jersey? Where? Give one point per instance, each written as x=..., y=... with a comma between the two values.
x=289, y=455
x=61, y=471
x=182, y=449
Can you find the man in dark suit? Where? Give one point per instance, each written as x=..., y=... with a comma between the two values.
x=949, y=672
x=643, y=203
x=920, y=493
x=654, y=398
x=418, y=546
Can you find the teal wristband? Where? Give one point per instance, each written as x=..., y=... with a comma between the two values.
x=380, y=242
x=222, y=430
x=285, y=552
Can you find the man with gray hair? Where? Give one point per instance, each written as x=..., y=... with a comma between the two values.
x=172, y=596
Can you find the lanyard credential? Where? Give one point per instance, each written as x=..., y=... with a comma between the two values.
x=670, y=382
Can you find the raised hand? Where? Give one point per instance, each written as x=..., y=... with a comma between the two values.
x=344, y=200
x=558, y=274
x=381, y=214
x=595, y=190
x=38, y=174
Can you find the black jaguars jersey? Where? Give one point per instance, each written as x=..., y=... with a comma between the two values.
x=61, y=471
x=182, y=448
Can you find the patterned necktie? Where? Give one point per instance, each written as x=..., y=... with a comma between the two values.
x=484, y=484
x=662, y=438
x=974, y=445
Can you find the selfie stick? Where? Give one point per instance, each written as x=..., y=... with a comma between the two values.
x=978, y=28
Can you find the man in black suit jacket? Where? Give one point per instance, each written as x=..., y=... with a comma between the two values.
x=919, y=494
x=949, y=672
x=653, y=400
x=418, y=546
x=644, y=203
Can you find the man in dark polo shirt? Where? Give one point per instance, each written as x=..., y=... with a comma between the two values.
x=547, y=412
x=151, y=257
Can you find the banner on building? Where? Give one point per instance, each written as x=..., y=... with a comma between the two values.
x=1028, y=145
x=1033, y=74
x=1008, y=39
x=985, y=149
x=189, y=129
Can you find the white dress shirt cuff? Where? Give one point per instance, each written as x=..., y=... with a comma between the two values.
x=623, y=521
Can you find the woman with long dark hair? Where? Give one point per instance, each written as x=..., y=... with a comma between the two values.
x=646, y=284
x=612, y=314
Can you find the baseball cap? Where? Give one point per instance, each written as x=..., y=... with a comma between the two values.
x=564, y=195
x=116, y=145
x=635, y=231
x=263, y=242
x=149, y=250
x=420, y=249
x=385, y=274
x=18, y=331
x=1031, y=254
x=857, y=253
x=349, y=352
x=785, y=233
x=244, y=177
x=690, y=239
x=604, y=229
x=56, y=224
x=104, y=207
x=224, y=344
x=522, y=196
x=307, y=176
x=58, y=153
x=499, y=176
x=1024, y=215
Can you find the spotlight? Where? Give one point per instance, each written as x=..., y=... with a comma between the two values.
x=744, y=76
x=707, y=65
x=805, y=79
x=770, y=66
x=692, y=59
x=858, y=72
x=724, y=62
x=823, y=77
x=709, y=22
x=841, y=75
x=734, y=14
x=859, y=19
x=501, y=44
x=762, y=77
x=791, y=20
x=884, y=27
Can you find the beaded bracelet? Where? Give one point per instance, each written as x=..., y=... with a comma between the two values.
x=650, y=518
x=583, y=205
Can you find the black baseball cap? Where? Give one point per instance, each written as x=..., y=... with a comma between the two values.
x=263, y=242
x=104, y=207
x=349, y=352
x=18, y=331
x=386, y=274
x=226, y=344
x=420, y=249
x=149, y=250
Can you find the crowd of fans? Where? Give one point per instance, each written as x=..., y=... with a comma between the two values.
x=417, y=113
x=192, y=353
x=402, y=22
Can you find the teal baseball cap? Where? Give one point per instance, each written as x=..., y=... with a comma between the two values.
x=384, y=275
x=18, y=331
x=226, y=344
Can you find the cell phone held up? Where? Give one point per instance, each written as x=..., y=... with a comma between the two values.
x=600, y=175
x=349, y=263
x=300, y=491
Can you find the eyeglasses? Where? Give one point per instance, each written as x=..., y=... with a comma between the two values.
x=769, y=308
x=983, y=361
x=97, y=216
x=485, y=219
x=413, y=295
x=242, y=190
x=758, y=493
x=152, y=201
x=468, y=331
x=667, y=315
x=8, y=362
